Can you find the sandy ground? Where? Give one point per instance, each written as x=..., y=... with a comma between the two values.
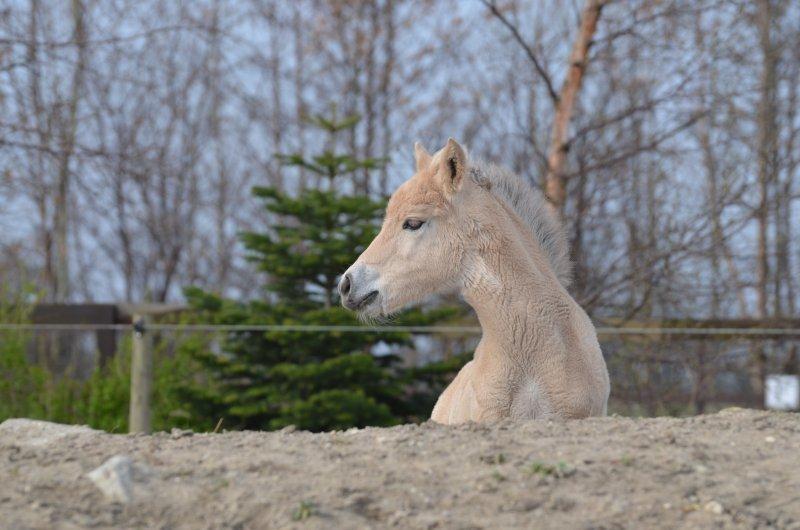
x=735, y=469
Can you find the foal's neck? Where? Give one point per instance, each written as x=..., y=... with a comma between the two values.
x=520, y=303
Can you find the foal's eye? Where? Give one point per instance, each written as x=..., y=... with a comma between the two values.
x=412, y=224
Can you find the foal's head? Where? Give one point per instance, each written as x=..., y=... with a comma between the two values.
x=420, y=247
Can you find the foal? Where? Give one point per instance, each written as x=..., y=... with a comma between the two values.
x=463, y=226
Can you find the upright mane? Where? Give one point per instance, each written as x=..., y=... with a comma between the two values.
x=529, y=204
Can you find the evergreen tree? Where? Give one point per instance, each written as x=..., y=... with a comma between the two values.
x=319, y=380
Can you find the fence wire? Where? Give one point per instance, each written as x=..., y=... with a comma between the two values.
x=451, y=330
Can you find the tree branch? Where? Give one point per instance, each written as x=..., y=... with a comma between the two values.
x=528, y=50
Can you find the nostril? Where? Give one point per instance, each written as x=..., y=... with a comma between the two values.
x=344, y=286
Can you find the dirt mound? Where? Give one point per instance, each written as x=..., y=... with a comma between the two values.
x=735, y=469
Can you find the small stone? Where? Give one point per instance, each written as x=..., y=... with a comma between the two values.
x=562, y=504
x=770, y=439
x=115, y=478
x=527, y=505
x=700, y=468
x=713, y=507
x=486, y=488
x=176, y=433
x=667, y=506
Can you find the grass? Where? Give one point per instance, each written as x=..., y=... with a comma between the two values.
x=559, y=470
x=303, y=511
x=499, y=458
x=220, y=484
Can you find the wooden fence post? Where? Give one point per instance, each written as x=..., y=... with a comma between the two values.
x=141, y=376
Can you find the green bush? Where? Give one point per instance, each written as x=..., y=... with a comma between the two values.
x=22, y=385
x=28, y=390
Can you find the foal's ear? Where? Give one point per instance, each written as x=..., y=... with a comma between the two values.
x=452, y=166
x=422, y=156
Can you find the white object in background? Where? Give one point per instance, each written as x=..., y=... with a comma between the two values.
x=782, y=392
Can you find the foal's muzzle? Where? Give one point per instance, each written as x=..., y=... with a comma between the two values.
x=357, y=289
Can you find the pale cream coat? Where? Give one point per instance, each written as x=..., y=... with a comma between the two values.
x=446, y=229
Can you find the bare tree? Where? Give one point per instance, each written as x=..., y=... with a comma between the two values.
x=564, y=101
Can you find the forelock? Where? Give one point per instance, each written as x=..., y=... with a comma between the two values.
x=415, y=191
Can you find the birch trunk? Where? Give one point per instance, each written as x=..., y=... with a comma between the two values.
x=555, y=180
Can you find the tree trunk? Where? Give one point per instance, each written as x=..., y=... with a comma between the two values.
x=276, y=179
x=67, y=148
x=555, y=180
x=299, y=70
x=766, y=121
x=385, y=88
